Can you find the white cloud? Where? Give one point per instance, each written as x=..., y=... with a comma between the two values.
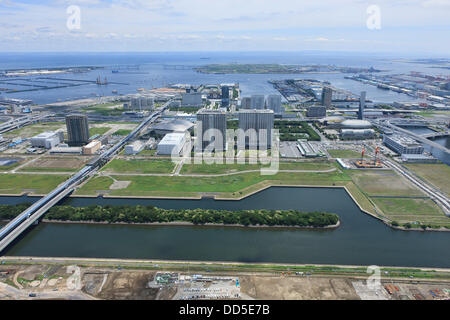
x=257, y=23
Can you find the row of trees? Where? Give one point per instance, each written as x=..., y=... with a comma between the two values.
x=143, y=214
x=289, y=129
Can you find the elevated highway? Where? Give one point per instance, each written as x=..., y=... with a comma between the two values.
x=19, y=224
x=419, y=138
x=20, y=122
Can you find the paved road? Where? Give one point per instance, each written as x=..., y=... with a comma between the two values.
x=103, y=173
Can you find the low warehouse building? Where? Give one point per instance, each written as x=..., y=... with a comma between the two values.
x=47, y=140
x=355, y=134
x=172, y=144
x=134, y=148
x=92, y=147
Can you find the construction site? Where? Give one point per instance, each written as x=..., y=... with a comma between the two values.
x=120, y=282
x=364, y=162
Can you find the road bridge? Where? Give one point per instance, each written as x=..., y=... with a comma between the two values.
x=31, y=215
x=20, y=122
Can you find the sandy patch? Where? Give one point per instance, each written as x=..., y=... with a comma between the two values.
x=35, y=283
x=117, y=185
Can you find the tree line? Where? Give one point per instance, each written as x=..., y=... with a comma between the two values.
x=149, y=214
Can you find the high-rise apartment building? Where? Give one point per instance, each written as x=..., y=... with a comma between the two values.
x=257, y=102
x=211, y=130
x=274, y=103
x=246, y=103
x=225, y=96
x=362, y=105
x=327, y=94
x=77, y=129
x=255, y=129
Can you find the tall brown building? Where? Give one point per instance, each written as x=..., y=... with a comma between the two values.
x=77, y=129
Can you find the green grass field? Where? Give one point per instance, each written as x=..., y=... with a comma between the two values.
x=437, y=174
x=15, y=183
x=47, y=169
x=228, y=168
x=140, y=166
x=106, y=109
x=11, y=166
x=404, y=210
x=344, y=154
x=184, y=186
x=98, y=130
x=122, y=132
x=383, y=183
x=35, y=129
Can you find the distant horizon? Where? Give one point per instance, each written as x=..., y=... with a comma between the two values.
x=419, y=27
x=398, y=55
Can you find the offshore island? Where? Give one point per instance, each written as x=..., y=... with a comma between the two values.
x=124, y=164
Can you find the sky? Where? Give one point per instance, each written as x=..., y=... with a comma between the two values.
x=397, y=26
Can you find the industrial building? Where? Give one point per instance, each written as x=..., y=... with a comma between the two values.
x=134, y=148
x=66, y=150
x=246, y=103
x=327, y=94
x=306, y=149
x=316, y=112
x=274, y=103
x=356, y=134
x=172, y=143
x=418, y=158
x=77, y=129
x=92, y=147
x=47, y=140
x=255, y=129
x=210, y=125
x=402, y=144
x=257, y=101
x=355, y=124
x=192, y=99
x=174, y=125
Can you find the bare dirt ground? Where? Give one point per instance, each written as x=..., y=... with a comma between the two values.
x=58, y=162
x=297, y=288
x=128, y=285
x=73, y=282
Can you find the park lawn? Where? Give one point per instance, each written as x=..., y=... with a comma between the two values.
x=106, y=109
x=147, y=152
x=235, y=167
x=410, y=210
x=383, y=183
x=122, y=132
x=346, y=154
x=178, y=185
x=14, y=165
x=47, y=169
x=16, y=183
x=140, y=166
x=98, y=130
x=360, y=198
x=438, y=174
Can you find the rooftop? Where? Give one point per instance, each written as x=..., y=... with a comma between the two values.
x=172, y=138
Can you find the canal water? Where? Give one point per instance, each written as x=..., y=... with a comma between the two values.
x=360, y=240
